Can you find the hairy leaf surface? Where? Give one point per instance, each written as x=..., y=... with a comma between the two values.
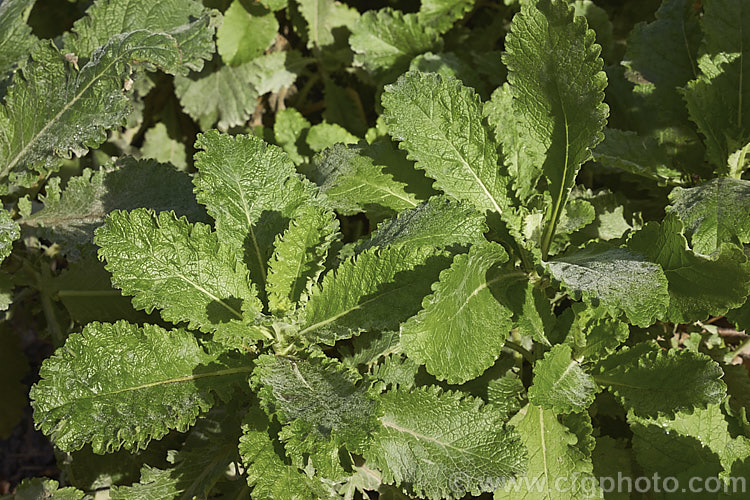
x=377, y=289
x=653, y=382
x=354, y=182
x=715, y=212
x=560, y=384
x=553, y=454
x=184, y=20
x=698, y=285
x=462, y=327
x=16, y=39
x=180, y=268
x=443, y=445
x=439, y=122
x=71, y=215
x=52, y=109
x=621, y=279
x=298, y=257
x=439, y=222
x=250, y=188
x=555, y=76
x=120, y=385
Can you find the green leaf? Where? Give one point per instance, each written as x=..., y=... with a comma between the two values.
x=120, y=385
x=224, y=95
x=186, y=21
x=654, y=382
x=560, y=384
x=353, y=182
x=377, y=289
x=439, y=222
x=251, y=189
x=716, y=100
x=289, y=129
x=715, y=212
x=636, y=154
x=462, y=327
x=621, y=279
x=266, y=472
x=555, y=76
x=177, y=267
x=210, y=448
x=385, y=41
x=706, y=425
x=441, y=14
x=439, y=122
x=698, y=286
x=450, y=64
x=9, y=232
x=320, y=395
x=36, y=488
x=443, y=445
x=553, y=454
x=16, y=39
x=741, y=316
x=276, y=71
x=326, y=135
x=298, y=257
x=51, y=109
x=69, y=217
x=247, y=31
x=323, y=17
x=594, y=334
x=664, y=53
x=524, y=163
x=157, y=144
x=85, y=289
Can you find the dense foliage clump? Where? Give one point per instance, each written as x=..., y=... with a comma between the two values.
x=321, y=249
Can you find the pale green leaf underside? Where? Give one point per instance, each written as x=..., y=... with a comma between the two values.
x=53, y=110
x=462, y=327
x=440, y=123
x=246, y=31
x=180, y=268
x=443, y=445
x=715, y=212
x=652, y=382
x=120, y=385
x=620, y=279
x=298, y=257
x=377, y=289
x=555, y=76
x=560, y=384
